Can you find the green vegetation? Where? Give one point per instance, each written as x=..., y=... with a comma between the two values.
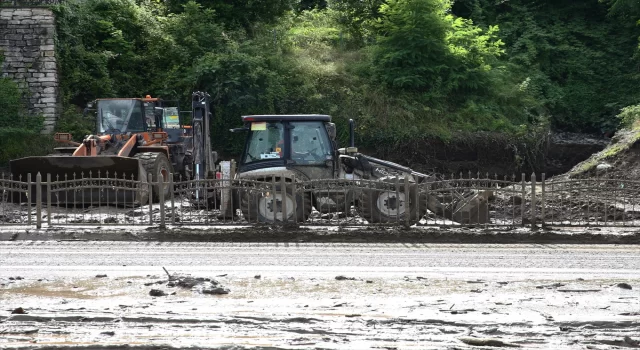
x=19, y=133
x=403, y=69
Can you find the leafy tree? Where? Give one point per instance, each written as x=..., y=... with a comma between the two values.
x=357, y=16
x=103, y=47
x=421, y=46
x=245, y=14
x=578, y=60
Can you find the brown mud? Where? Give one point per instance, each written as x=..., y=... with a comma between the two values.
x=335, y=234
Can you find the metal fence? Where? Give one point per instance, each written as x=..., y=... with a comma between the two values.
x=464, y=200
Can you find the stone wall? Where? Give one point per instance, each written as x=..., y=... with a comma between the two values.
x=27, y=44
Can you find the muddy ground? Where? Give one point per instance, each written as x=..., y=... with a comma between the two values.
x=321, y=311
x=330, y=234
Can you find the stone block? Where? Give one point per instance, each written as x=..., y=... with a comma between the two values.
x=49, y=110
x=14, y=37
x=50, y=65
x=46, y=79
x=49, y=90
x=48, y=100
x=41, y=12
x=47, y=47
x=49, y=53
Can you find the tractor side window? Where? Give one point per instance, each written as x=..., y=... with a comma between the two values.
x=266, y=141
x=310, y=143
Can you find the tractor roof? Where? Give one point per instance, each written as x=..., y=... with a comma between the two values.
x=287, y=117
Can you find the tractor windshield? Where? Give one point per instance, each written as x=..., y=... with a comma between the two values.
x=309, y=143
x=266, y=141
x=116, y=116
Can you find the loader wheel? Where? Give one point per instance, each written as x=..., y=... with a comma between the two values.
x=386, y=204
x=267, y=206
x=157, y=165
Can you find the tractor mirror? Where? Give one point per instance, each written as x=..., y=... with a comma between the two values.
x=331, y=130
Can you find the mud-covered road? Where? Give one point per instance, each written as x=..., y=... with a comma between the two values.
x=318, y=295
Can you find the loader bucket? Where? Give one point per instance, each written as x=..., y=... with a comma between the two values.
x=70, y=177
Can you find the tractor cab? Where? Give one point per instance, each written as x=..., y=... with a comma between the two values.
x=287, y=141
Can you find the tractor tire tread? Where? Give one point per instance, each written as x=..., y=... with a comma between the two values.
x=248, y=206
x=367, y=208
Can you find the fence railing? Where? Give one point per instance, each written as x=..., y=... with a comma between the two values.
x=465, y=200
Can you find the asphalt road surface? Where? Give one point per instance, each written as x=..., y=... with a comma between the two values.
x=318, y=295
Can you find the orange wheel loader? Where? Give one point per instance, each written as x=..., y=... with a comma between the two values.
x=134, y=137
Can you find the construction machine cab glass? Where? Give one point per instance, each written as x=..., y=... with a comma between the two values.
x=119, y=116
x=295, y=140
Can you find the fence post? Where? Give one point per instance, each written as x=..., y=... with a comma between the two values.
x=285, y=195
x=161, y=200
x=29, y=188
x=39, y=201
x=524, y=195
x=294, y=192
x=542, y=193
x=232, y=190
x=49, y=200
x=407, y=202
x=533, y=200
x=172, y=191
x=150, y=182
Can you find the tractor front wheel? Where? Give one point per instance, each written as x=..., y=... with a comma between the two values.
x=158, y=166
x=268, y=206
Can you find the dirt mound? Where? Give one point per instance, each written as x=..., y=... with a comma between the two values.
x=619, y=160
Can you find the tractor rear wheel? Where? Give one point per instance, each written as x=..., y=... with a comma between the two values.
x=158, y=166
x=329, y=203
x=267, y=206
x=386, y=203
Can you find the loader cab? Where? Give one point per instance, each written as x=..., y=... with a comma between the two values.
x=119, y=116
x=287, y=140
x=123, y=115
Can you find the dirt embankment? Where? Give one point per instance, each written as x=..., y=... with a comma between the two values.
x=619, y=160
x=494, y=153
